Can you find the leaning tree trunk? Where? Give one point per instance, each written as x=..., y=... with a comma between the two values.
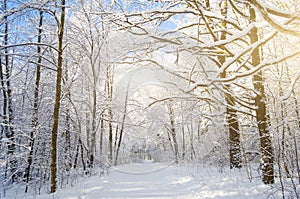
x=57, y=101
x=266, y=147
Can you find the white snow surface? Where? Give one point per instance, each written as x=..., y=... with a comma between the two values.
x=156, y=180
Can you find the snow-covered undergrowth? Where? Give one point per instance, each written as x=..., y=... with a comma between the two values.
x=156, y=180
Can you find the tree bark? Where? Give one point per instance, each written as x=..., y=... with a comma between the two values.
x=173, y=132
x=34, y=122
x=101, y=137
x=266, y=147
x=234, y=134
x=109, y=88
x=294, y=98
x=231, y=113
x=122, y=125
x=53, y=160
x=183, y=141
x=94, y=128
x=67, y=147
x=8, y=126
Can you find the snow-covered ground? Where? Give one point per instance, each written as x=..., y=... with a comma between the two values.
x=153, y=180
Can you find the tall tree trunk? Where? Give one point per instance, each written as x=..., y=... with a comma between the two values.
x=101, y=137
x=57, y=100
x=4, y=123
x=110, y=139
x=7, y=102
x=116, y=138
x=231, y=113
x=88, y=134
x=183, y=141
x=173, y=132
x=266, y=147
x=93, y=133
x=294, y=98
x=109, y=87
x=285, y=127
x=79, y=149
x=76, y=155
x=122, y=125
x=67, y=136
x=234, y=134
x=2, y=88
x=82, y=154
x=34, y=122
x=191, y=135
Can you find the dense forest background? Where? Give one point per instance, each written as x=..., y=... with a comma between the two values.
x=88, y=84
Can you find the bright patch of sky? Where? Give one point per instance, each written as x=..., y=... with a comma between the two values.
x=133, y=5
x=168, y=25
x=174, y=22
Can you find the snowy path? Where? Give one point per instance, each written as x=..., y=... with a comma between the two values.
x=144, y=181
x=148, y=180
